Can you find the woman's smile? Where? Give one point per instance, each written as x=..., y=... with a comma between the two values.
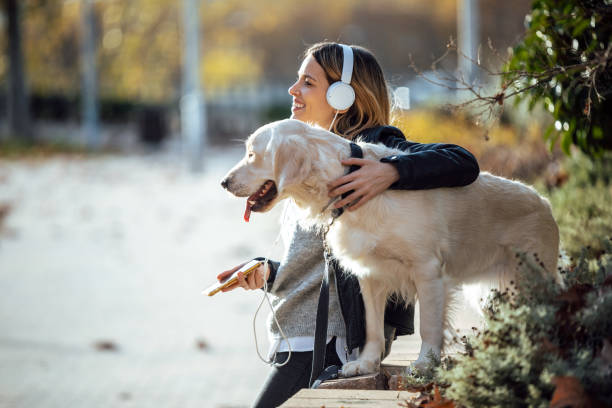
x=296, y=106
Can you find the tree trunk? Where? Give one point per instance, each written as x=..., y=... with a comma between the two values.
x=468, y=28
x=18, y=109
x=193, y=114
x=89, y=90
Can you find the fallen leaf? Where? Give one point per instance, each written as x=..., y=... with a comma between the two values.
x=438, y=401
x=202, y=344
x=569, y=393
x=5, y=208
x=105, y=345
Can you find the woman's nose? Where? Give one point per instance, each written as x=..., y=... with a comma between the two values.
x=293, y=91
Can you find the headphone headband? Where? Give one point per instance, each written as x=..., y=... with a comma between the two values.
x=347, y=64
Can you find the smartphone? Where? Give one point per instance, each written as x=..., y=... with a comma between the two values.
x=247, y=269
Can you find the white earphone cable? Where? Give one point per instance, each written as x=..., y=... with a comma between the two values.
x=266, y=297
x=332, y=123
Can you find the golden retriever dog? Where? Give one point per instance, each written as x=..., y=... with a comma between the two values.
x=422, y=244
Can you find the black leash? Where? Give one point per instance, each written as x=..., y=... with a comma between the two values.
x=318, y=355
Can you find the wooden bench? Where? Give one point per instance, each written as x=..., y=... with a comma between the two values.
x=307, y=398
x=402, y=354
x=367, y=390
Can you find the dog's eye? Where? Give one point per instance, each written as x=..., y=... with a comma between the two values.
x=251, y=155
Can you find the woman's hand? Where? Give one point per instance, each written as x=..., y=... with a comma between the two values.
x=255, y=280
x=370, y=180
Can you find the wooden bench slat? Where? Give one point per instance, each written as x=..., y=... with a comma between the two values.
x=355, y=394
x=307, y=398
x=328, y=403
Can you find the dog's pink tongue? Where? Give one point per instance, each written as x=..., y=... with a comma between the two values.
x=247, y=212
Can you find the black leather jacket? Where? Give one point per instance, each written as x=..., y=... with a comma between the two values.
x=425, y=166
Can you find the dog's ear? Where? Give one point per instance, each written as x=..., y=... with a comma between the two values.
x=292, y=163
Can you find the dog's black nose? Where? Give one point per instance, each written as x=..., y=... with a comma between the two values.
x=225, y=183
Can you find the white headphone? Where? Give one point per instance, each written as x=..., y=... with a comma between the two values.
x=340, y=95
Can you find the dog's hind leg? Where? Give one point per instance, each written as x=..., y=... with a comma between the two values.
x=432, y=296
x=374, y=299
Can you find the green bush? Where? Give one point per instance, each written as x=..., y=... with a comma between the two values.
x=564, y=63
x=583, y=205
x=538, y=338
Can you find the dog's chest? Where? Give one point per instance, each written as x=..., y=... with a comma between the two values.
x=365, y=252
x=351, y=242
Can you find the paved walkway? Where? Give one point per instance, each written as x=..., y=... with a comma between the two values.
x=118, y=249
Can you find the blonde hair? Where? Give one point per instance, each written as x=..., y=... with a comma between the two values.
x=372, y=105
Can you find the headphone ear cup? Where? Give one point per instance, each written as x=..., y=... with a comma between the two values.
x=340, y=95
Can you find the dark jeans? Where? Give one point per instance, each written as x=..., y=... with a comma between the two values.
x=285, y=381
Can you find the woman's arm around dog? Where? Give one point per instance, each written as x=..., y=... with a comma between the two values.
x=425, y=166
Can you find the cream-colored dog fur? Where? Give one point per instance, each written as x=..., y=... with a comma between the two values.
x=418, y=243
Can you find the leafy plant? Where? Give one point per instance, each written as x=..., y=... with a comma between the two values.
x=542, y=343
x=564, y=62
x=582, y=205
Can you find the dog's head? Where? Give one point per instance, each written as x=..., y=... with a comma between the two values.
x=278, y=157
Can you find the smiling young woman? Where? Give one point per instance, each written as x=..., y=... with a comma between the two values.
x=294, y=283
x=319, y=69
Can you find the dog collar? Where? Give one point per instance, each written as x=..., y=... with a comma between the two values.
x=356, y=152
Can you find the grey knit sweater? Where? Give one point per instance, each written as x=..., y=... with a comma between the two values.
x=295, y=290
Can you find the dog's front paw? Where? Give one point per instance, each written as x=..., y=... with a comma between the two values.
x=360, y=367
x=422, y=366
x=418, y=366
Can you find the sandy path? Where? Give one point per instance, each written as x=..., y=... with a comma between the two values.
x=118, y=248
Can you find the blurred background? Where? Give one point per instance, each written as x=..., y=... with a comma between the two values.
x=118, y=119
x=125, y=66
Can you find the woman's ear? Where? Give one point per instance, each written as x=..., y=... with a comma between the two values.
x=292, y=163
